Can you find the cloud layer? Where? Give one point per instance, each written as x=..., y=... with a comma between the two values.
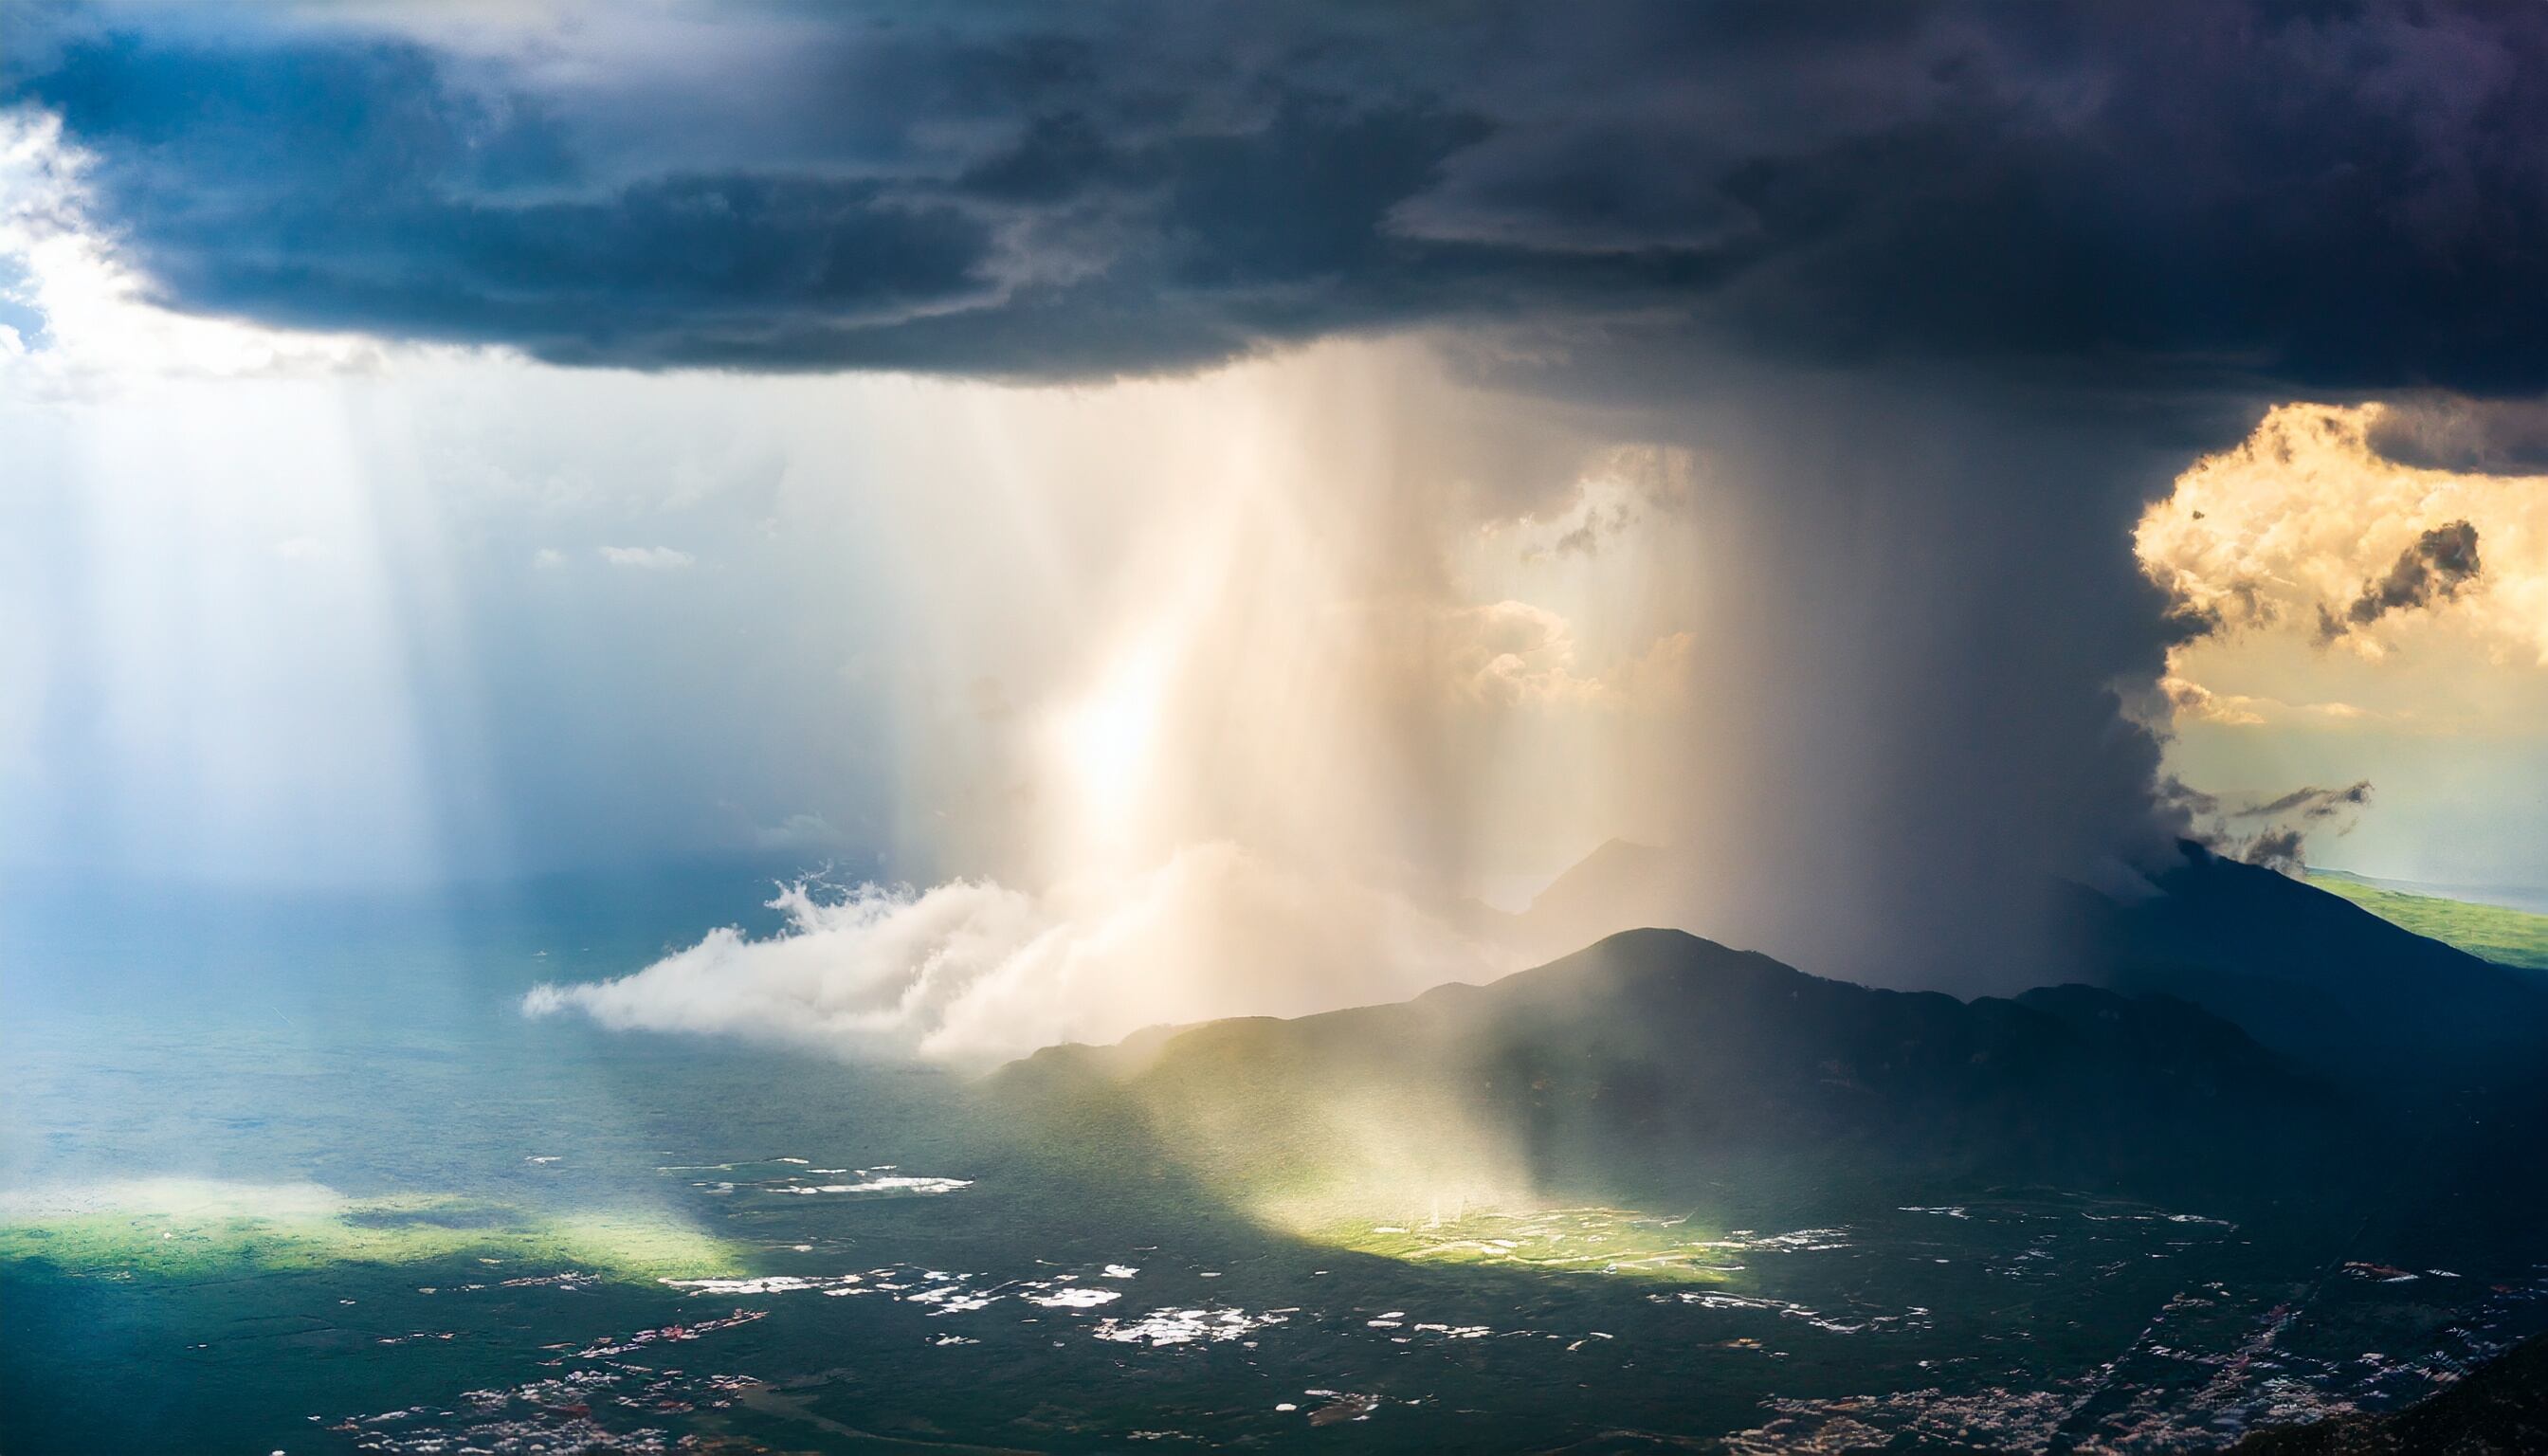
x=2086, y=191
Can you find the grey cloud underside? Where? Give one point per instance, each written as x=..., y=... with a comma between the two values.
x=2435, y=569
x=2274, y=834
x=2329, y=196
x=2311, y=802
x=2484, y=436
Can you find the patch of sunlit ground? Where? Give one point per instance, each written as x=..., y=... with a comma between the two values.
x=1589, y=1241
x=182, y=1227
x=2499, y=933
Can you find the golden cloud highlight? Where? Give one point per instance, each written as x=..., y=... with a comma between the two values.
x=2308, y=527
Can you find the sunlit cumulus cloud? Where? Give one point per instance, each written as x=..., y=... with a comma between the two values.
x=2350, y=581
x=2308, y=529
x=971, y=972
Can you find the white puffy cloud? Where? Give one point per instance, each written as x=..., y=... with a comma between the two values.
x=648, y=558
x=2187, y=699
x=1515, y=652
x=971, y=972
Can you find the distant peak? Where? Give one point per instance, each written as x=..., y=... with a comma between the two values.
x=1615, y=849
x=1615, y=864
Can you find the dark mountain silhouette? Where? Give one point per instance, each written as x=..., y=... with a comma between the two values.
x=2307, y=972
x=1654, y=1056
x=2500, y=1407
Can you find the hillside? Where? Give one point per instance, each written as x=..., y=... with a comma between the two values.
x=2497, y=932
x=2346, y=976
x=2500, y=1408
x=2307, y=972
x=1653, y=1060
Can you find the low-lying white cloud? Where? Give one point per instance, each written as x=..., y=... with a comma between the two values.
x=974, y=971
x=648, y=558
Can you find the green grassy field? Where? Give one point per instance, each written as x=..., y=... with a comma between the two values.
x=1584, y=1240
x=2508, y=937
x=191, y=1229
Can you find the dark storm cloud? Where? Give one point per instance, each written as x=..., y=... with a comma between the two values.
x=2185, y=798
x=2441, y=562
x=2320, y=196
x=2291, y=820
x=2310, y=803
x=2274, y=834
x=2480, y=436
x=2285, y=851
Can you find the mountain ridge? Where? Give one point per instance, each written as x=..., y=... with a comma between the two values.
x=2500, y=1406
x=2307, y=972
x=2303, y=971
x=1654, y=1055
